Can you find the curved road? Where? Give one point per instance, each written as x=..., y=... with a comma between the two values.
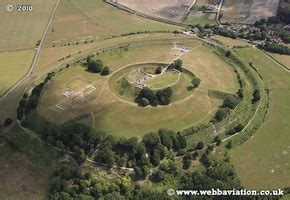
x=35, y=60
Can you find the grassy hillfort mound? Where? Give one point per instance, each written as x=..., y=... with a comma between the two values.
x=112, y=97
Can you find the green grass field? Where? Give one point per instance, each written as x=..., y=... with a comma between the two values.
x=107, y=111
x=97, y=20
x=229, y=41
x=13, y=66
x=263, y=161
x=164, y=80
x=22, y=30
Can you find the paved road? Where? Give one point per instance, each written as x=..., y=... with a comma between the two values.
x=35, y=60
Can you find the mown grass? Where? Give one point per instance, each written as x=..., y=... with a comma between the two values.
x=13, y=66
x=262, y=162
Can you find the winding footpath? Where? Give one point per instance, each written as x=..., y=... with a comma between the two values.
x=36, y=57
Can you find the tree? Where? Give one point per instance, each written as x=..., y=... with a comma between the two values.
x=158, y=70
x=105, y=71
x=159, y=176
x=222, y=113
x=217, y=140
x=186, y=162
x=230, y=101
x=195, y=82
x=228, y=54
x=256, y=96
x=178, y=64
x=199, y=146
x=165, y=138
x=155, y=158
x=95, y=66
x=144, y=102
x=229, y=145
x=8, y=122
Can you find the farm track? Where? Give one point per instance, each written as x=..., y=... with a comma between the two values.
x=218, y=13
x=35, y=60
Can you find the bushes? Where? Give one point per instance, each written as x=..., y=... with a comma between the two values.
x=8, y=122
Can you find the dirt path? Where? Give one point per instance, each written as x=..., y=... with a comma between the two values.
x=35, y=60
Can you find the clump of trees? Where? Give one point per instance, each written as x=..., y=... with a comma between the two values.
x=230, y=102
x=177, y=64
x=97, y=66
x=194, y=83
x=158, y=70
x=149, y=97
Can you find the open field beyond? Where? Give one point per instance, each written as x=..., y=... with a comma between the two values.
x=13, y=66
x=263, y=162
x=87, y=20
x=165, y=9
x=107, y=111
x=22, y=30
x=248, y=11
x=283, y=59
x=196, y=15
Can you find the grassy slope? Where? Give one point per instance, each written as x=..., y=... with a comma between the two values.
x=22, y=30
x=26, y=165
x=13, y=66
x=255, y=159
x=97, y=20
x=229, y=41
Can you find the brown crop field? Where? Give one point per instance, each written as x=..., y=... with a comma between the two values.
x=91, y=20
x=248, y=11
x=164, y=9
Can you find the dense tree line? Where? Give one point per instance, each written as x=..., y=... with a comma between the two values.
x=149, y=97
x=275, y=48
x=27, y=104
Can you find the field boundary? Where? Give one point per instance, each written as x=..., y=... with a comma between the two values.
x=275, y=60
